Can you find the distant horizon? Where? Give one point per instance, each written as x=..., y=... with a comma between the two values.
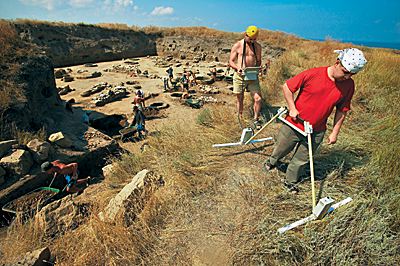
x=372, y=44
x=389, y=45
x=341, y=20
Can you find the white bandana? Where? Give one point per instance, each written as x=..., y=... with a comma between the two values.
x=352, y=59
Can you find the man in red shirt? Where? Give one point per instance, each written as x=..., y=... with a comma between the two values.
x=69, y=171
x=320, y=91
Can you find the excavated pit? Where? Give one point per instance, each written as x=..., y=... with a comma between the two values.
x=109, y=124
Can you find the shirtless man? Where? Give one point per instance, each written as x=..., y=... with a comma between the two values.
x=251, y=58
x=139, y=100
x=68, y=171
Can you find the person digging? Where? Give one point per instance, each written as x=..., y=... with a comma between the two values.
x=68, y=171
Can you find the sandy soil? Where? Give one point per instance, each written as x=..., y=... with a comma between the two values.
x=176, y=111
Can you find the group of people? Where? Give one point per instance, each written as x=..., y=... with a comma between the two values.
x=187, y=80
x=69, y=172
x=319, y=91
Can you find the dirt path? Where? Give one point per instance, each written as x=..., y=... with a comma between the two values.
x=201, y=229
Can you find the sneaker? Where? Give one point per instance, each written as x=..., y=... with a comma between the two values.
x=292, y=188
x=268, y=166
x=257, y=124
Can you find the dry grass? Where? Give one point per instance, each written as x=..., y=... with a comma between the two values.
x=217, y=207
x=21, y=238
x=365, y=232
x=23, y=137
x=10, y=49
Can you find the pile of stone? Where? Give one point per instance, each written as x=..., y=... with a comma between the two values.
x=209, y=89
x=60, y=73
x=94, y=74
x=122, y=69
x=110, y=95
x=208, y=99
x=80, y=71
x=132, y=61
x=161, y=63
x=64, y=90
x=63, y=74
x=17, y=160
x=95, y=89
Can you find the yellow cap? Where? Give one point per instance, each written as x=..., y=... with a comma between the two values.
x=251, y=31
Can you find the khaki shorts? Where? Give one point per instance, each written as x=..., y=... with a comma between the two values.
x=239, y=84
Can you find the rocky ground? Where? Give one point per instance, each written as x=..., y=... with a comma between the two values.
x=150, y=83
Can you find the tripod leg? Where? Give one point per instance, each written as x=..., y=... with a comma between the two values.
x=310, y=154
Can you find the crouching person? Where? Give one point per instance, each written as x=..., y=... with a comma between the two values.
x=69, y=173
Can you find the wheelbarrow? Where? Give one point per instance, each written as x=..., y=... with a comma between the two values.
x=29, y=203
x=127, y=132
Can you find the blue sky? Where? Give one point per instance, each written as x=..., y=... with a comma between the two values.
x=374, y=21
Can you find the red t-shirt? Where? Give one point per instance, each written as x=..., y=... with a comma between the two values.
x=318, y=96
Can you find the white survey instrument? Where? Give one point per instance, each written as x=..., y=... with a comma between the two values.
x=308, y=130
x=247, y=133
x=248, y=136
x=325, y=205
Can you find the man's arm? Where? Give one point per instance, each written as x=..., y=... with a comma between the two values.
x=233, y=56
x=289, y=97
x=337, y=124
x=74, y=167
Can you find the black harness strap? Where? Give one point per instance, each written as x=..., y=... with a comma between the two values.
x=244, y=52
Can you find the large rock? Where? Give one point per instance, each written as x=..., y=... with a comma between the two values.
x=39, y=97
x=63, y=215
x=5, y=146
x=60, y=139
x=108, y=170
x=40, y=150
x=116, y=204
x=39, y=257
x=19, y=162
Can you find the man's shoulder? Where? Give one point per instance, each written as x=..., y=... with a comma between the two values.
x=315, y=71
x=238, y=43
